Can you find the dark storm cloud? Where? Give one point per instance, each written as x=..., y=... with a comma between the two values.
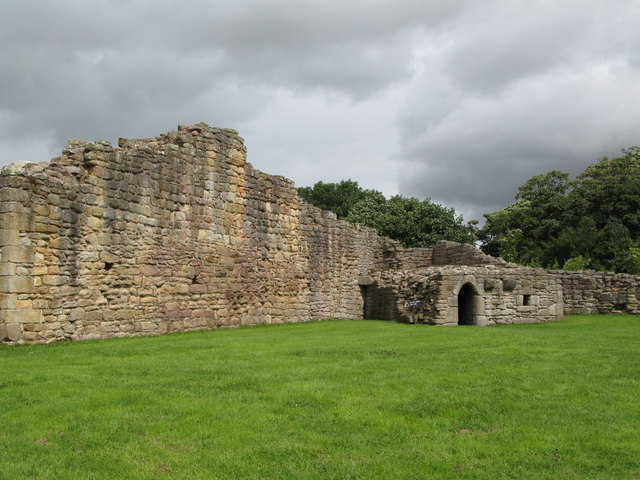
x=104, y=68
x=459, y=101
x=541, y=87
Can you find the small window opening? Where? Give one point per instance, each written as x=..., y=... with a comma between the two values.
x=526, y=300
x=108, y=265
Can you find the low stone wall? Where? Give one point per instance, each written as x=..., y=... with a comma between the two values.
x=496, y=295
x=452, y=253
x=590, y=292
x=172, y=233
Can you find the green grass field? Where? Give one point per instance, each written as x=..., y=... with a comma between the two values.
x=334, y=399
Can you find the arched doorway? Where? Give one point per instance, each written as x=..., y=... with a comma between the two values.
x=466, y=305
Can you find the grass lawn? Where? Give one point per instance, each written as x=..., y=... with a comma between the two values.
x=334, y=399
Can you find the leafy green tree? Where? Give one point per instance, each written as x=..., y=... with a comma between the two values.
x=610, y=189
x=577, y=263
x=413, y=222
x=590, y=222
x=537, y=214
x=336, y=197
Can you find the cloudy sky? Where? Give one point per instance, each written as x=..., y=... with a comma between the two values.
x=457, y=100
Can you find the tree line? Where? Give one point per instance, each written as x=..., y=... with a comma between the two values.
x=589, y=222
x=413, y=222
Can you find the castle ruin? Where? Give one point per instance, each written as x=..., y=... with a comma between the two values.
x=179, y=232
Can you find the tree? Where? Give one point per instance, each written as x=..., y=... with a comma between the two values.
x=610, y=189
x=336, y=197
x=413, y=222
x=590, y=222
x=518, y=231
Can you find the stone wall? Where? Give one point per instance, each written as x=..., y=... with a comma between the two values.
x=179, y=232
x=412, y=258
x=497, y=295
x=172, y=233
x=589, y=292
x=452, y=253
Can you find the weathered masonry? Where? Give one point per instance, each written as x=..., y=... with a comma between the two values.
x=179, y=232
x=462, y=286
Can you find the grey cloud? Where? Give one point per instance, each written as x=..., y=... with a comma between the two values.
x=460, y=101
x=523, y=40
x=482, y=151
x=513, y=91
x=102, y=69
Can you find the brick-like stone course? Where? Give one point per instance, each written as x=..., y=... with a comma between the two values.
x=590, y=292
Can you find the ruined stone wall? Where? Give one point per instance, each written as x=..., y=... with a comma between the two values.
x=179, y=232
x=412, y=258
x=501, y=295
x=589, y=292
x=452, y=253
x=172, y=233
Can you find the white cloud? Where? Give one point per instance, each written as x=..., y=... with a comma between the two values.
x=326, y=137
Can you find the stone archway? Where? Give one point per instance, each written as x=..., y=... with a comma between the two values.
x=467, y=304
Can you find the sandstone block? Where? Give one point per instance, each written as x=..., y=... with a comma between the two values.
x=7, y=269
x=29, y=336
x=12, y=332
x=22, y=271
x=76, y=314
x=17, y=254
x=42, y=227
x=15, y=284
x=9, y=237
x=13, y=207
x=94, y=316
x=149, y=270
x=107, y=257
x=365, y=280
x=8, y=301
x=26, y=316
x=94, y=222
x=54, y=280
x=60, y=243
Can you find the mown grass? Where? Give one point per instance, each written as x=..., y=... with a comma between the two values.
x=335, y=399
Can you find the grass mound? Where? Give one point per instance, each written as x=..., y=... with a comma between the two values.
x=335, y=399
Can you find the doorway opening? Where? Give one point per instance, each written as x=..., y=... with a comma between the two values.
x=466, y=305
